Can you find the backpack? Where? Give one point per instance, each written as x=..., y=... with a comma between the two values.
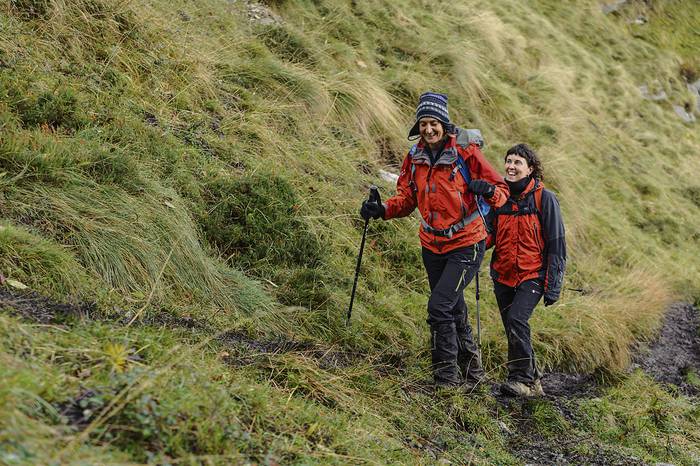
x=464, y=138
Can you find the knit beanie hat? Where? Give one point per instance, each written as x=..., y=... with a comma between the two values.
x=431, y=105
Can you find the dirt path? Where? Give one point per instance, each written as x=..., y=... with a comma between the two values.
x=676, y=351
x=668, y=359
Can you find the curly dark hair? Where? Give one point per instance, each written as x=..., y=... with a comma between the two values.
x=524, y=151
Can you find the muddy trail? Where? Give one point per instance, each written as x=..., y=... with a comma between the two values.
x=676, y=351
x=668, y=359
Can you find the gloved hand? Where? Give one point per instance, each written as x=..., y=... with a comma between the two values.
x=549, y=301
x=481, y=187
x=371, y=209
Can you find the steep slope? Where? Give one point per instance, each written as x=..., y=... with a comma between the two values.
x=195, y=172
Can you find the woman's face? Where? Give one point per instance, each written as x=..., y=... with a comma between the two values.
x=431, y=130
x=516, y=168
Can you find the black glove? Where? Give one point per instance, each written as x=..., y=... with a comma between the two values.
x=372, y=209
x=549, y=301
x=481, y=187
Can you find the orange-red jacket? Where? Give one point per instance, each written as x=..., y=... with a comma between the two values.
x=529, y=240
x=442, y=196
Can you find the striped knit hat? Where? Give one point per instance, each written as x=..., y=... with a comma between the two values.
x=431, y=105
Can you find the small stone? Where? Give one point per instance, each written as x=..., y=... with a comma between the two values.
x=644, y=90
x=504, y=427
x=684, y=114
x=612, y=7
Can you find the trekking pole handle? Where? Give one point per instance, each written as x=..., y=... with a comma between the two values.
x=374, y=195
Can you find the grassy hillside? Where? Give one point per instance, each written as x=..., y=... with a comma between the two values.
x=194, y=170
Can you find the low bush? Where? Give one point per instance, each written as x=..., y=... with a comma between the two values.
x=255, y=222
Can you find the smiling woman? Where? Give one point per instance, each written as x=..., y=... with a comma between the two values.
x=528, y=262
x=452, y=232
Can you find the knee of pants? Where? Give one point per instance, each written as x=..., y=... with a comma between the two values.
x=515, y=322
x=439, y=315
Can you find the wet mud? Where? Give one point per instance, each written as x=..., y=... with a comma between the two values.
x=246, y=350
x=676, y=351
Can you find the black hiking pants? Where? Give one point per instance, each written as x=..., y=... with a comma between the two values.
x=448, y=275
x=516, y=306
x=453, y=349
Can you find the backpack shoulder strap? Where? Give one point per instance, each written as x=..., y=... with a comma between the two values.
x=538, y=206
x=483, y=206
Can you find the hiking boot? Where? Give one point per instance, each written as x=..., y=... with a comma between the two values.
x=537, y=388
x=521, y=389
x=444, y=354
x=468, y=358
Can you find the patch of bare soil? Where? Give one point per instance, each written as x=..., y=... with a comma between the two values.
x=568, y=451
x=34, y=307
x=676, y=350
x=563, y=392
x=247, y=349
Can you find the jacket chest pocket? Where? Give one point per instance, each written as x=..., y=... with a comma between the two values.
x=449, y=191
x=529, y=235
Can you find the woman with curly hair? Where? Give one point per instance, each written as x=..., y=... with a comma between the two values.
x=528, y=262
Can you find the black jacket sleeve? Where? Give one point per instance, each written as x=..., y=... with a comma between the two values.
x=555, y=245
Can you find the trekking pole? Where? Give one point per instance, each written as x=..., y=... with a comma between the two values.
x=373, y=197
x=478, y=318
x=477, y=292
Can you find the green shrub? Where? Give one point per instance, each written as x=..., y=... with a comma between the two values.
x=255, y=221
x=57, y=108
x=305, y=287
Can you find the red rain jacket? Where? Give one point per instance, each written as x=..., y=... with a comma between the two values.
x=529, y=240
x=441, y=194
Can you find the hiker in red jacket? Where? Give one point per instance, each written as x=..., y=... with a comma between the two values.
x=452, y=232
x=527, y=263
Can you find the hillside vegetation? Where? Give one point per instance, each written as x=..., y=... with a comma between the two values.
x=188, y=175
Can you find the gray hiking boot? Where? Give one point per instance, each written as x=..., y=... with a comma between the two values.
x=536, y=388
x=521, y=389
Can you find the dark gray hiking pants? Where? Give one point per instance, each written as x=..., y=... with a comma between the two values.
x=453, y=348
x=448, y=275
x=516, y=306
